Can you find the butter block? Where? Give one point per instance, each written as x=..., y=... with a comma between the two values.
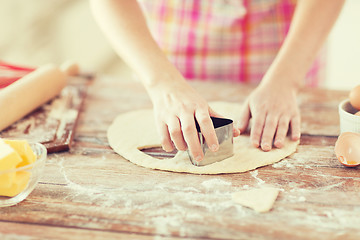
x=9, y=159
x=23, y=148
x=14, y=154
x=20, y=182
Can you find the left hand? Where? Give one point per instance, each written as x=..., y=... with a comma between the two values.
x=273, y=109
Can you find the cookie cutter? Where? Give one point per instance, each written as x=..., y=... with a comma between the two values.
x=224, y=132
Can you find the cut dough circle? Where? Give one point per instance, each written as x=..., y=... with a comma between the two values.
x=132, y=131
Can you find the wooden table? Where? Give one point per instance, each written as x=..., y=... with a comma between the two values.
x=90, y=192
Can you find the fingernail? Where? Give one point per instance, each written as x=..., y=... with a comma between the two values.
x=198, y=159
x=214, y=147
x=236, y=132
x=167, y=149
x=295, y=138
x=266, y=147
x=278, y=143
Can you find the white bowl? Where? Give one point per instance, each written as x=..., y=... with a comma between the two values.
x=35, y=171
x=348, y=121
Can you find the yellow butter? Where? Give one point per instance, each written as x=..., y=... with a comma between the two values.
x=14, y=154
x=23, y=148
x=19, y=183
x=9, y=159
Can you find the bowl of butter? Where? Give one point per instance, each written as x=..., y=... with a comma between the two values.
x=21, y=166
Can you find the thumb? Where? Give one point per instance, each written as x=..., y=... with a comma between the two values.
x=245, y=116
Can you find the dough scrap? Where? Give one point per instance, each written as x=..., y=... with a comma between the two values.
x=261, y=200
x=132, y=131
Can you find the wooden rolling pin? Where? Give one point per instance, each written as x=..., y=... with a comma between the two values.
x=30, y=92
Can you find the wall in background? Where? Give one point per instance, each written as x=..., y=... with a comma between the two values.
x=36, y=32
x=343, y=69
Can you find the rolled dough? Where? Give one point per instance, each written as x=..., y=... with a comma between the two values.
x=132, y=131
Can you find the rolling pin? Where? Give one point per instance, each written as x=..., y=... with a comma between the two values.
x=29, y=93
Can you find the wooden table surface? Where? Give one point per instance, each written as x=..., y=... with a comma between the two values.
x=90, y=192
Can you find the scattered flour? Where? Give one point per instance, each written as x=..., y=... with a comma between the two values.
x=302, y=199
x=167, y=206
x=282, y=164
x=329, y=187
x=15, y=237
x=329, y=214
x=254, y=174
x=297, y=197
x=215, y=182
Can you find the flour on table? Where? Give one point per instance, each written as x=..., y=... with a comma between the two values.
x=261, y=200
x=132, y=131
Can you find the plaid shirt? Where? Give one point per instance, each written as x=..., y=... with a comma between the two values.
x=223, y=40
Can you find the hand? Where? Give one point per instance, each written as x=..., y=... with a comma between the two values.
x=176, y=106
x=273, y=109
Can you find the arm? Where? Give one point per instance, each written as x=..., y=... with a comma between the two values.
x=175, y=102
x=124, y=25
x=273, y=105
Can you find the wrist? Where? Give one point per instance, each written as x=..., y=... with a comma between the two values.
x=280, y=83
x=285, y=75
x=159, y=74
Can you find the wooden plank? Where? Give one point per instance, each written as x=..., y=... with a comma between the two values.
x=68, y=110
x=52, y=124
x=23, y=231
x=187, y=213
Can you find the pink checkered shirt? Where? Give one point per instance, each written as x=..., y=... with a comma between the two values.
x=223, y=40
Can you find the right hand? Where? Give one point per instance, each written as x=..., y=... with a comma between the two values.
x=176, y=106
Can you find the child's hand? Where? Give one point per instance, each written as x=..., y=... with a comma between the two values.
x=273, y=109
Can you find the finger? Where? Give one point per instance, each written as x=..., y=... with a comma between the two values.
x=165, y=138
x=236, y=131
x=207, y=129
x=191, y=137
x=257, y=128
x=295, y=128
x=267, y=137
x=245, y=116
x=212, y=113
x=281, y=131
x=176, y=134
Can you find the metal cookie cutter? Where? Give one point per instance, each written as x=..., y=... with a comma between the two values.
x=224, y=132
